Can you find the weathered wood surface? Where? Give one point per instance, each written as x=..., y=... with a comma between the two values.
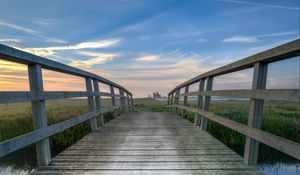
x=147, y=143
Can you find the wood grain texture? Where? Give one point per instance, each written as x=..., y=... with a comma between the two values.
x=284, y=145
x=148, y=143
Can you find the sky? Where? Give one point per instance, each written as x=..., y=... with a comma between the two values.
x=148, y=45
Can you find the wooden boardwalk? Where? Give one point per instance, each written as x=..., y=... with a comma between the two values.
x=147, y=143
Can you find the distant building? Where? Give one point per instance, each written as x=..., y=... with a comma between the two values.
x=156, y=95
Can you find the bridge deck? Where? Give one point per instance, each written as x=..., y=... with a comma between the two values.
x=148, y=143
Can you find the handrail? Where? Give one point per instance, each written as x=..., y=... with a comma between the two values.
x=278, y=53
x=37, y=96
x=18, y=56
x=257, y=94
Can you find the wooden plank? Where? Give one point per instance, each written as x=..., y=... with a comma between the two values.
x=22, y=96
x=119, y=148
x=19, y=142
x=147, y=172
x=285, y=51
x=39, y=118
x=116, y=149
x=100, y=120
x=209, y=84
x=284, y=145
x=255, y=113
x=18, y=56
x=291, y=95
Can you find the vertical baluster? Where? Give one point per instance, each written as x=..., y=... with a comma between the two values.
x=186, y=90
x=128, y=102
x=122, y=100
x=199, y=102
x=39, y=114
x=90, y=100
x=113, y=101
x=177, y=100
x=100, y=120
x=209, y=85
x=255, y=113
x=132, y=107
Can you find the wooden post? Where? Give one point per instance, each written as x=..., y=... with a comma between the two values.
x=132, y=108
x=168, y=102
x=100, y=120
x=204, y=121
x=39, y=114
x=113, y=101
x=255, y=113
x=122, y=100
x=177, y=99
x=90, y=100
x=172, y=100
x=185, y=99
x=200, y=102
x=128, y=102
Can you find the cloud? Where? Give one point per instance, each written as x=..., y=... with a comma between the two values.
x=19, y=28
x=255, y=38
x=260, y=4
x=269, y=46
x=87, y=45
x=45, y=22
x=11, y=40
x=285, y=33
x=148, y=58
x=241, y=39
x=97, y=58
x=48, y=51
x=30, y=32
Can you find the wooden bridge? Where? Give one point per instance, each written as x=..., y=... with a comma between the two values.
x=147, y=142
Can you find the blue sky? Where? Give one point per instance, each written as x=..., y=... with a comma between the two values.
x=152, y=45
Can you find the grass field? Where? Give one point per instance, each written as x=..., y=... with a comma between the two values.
x=282, y=119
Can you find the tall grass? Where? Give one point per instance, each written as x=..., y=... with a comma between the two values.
x=16, y=119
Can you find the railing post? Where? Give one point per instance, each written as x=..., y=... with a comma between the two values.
x=100, y=120
x=132, y=108
x=89, y=89
x=172, y=99
x=128, y=102
x=113, y=101
x=39, y=114
x=200, y=102
x=209, y=85
x=255, y=113
x=177, y=100
x=122, y=99
x=185, y=98
x=168, y=102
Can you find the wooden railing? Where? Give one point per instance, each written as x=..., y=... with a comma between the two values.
x=37, y=96
x=257, y=95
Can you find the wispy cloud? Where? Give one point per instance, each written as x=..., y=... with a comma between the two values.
x=256, y=38
x=11, y=40
x=96, y=58
x=48, y=51
x=19, y=28
x=148, y=58
x=30, y=32
x=45, y=22
x=260, y=4
x=240, y=39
